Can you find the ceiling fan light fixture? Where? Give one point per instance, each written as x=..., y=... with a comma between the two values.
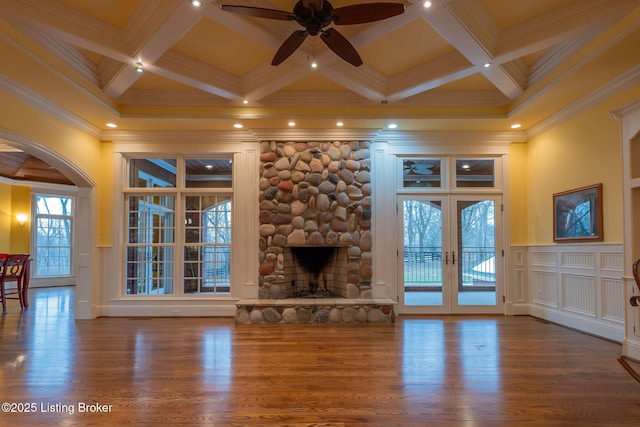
x=139, y=67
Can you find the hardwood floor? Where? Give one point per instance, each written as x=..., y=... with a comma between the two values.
x=441, y=371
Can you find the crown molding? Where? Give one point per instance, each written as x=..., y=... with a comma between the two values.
x=625, y=111
x=622, y=82
x=314, y=134
x=470, y=138
x=177, y=137
x=50, y=108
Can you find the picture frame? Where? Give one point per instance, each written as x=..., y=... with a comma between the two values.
x=577, y=215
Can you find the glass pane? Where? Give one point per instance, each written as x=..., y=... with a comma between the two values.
x=149, y=270
x=208, y=173
x=477, y=257
x=54, y=205
x=207, y=254
x=422, y=252
x=152, y=173
x=421, y=173
x=475, y=173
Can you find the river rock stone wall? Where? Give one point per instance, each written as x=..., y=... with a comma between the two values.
x=315, y=193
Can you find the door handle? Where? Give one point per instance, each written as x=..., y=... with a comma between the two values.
x=453, y=257
x=446, y=258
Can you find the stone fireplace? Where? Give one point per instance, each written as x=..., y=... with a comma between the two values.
x=315, y=201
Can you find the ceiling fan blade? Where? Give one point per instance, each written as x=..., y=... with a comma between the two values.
x=366, y=12
x=289, y=46
x=259, y=12
x=317, y=3
x=341, y=46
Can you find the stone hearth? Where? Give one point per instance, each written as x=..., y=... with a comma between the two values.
x=315, y=310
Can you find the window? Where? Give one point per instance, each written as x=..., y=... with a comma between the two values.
x=207, y=249
x=162, y=194
x=53, y=235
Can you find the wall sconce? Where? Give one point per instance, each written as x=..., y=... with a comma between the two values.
x=22, y=218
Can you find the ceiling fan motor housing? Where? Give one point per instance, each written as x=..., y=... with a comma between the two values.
x=313, y=20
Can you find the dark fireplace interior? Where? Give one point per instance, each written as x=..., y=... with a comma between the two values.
x=315, y=271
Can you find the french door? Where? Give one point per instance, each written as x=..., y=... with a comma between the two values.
x=450, y=252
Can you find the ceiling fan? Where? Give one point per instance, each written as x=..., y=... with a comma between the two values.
x=315, y=16
x=418, y=167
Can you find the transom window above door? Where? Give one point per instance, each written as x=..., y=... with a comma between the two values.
x=449, y=173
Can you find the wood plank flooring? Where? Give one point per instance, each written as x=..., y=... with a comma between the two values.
x=440, y=371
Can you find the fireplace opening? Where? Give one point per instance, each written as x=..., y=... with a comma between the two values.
x=315, y=271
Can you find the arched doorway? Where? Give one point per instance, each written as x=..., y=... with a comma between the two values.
x=86, y=259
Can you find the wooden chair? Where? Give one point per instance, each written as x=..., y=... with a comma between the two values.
x=635, y=299
x=14, y=269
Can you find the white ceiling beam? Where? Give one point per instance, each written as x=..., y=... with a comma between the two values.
x=158, y=38
x=469, y=28
x=207, y=78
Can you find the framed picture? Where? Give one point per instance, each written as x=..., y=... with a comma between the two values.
x=577, y=214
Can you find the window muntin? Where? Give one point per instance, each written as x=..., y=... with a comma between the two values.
x=207, y=249
x=150, y=244
x=54, y=235
x=475, y=173
x=424, y=173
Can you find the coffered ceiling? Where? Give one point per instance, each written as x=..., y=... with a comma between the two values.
x=424, y=68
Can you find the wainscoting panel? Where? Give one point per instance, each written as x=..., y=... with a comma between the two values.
x=612, y=292
x=579, y=294
x=577, y=285
x=545, y=289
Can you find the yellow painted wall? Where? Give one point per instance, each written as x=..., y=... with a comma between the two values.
x=20, y=234
x=5, y=217
x=518, y=193
x=581, y=151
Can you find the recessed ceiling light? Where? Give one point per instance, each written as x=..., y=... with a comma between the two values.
x=427, y=4
x=516, y=126
x=238, y=125
x=392, y=125
x=244, y=101
x=292, y=123
x=339, y=124
x=112, y=125
x=314, y=64
x=465, y=166
x=196, y=3
x=486, y=65
x=209, y=167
